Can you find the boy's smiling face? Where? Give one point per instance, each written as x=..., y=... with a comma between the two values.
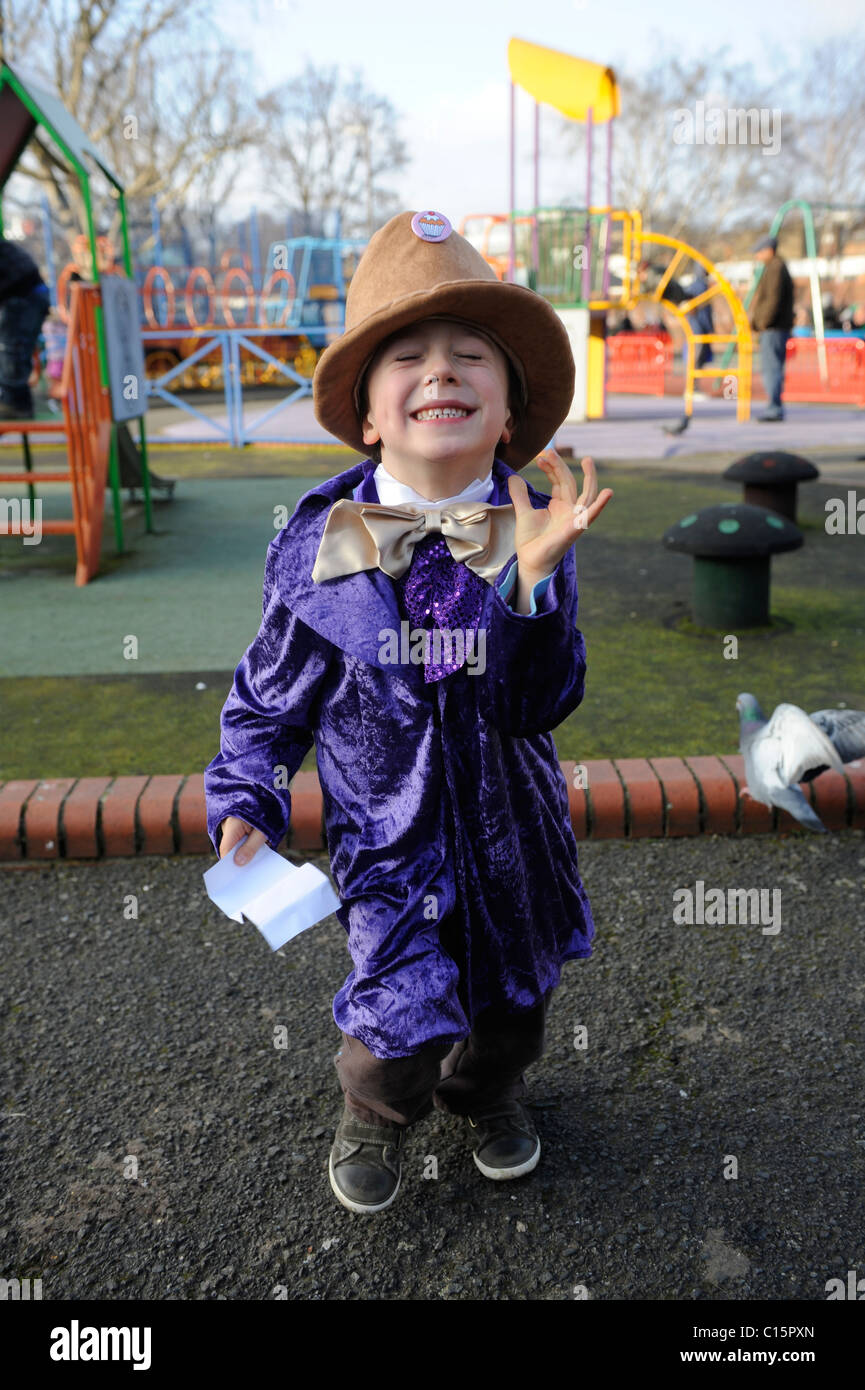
x=437, y=456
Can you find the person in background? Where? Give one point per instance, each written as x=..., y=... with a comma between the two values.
x=619, y=323
x=55, y=333
x=701, y=319
x=771, y=315
x=24, y=302
x=831, y=317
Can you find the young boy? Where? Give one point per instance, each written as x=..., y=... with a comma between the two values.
x=446, y=809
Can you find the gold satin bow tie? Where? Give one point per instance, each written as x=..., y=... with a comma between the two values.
x=370, y=535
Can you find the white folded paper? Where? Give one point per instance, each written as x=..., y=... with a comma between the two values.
x=279, y=898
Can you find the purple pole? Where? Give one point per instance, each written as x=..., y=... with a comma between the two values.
x=537, y=190
x=609, y=201
x=587, y=267
x=512, y=251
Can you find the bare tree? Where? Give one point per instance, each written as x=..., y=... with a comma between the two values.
x=330, y=143
x=827, y=129
x=19, y=25
x=671, y=160
x=165, y=104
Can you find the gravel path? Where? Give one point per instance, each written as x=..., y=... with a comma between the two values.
x=157, y=1144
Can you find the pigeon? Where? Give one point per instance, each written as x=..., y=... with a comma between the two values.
x=794, y=747
x=846, y=731
x=679, y=427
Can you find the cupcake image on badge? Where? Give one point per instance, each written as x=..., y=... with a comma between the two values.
x=430, y=226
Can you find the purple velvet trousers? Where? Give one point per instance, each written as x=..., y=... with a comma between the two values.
x=475, y=1073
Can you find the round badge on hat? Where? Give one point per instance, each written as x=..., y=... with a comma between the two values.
x=431, y=226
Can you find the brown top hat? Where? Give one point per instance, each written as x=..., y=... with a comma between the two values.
x=416, y=267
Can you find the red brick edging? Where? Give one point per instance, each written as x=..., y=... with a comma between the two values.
x=94, y=817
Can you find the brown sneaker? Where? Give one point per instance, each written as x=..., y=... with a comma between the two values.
x=365, y=1167
x=505, y=1141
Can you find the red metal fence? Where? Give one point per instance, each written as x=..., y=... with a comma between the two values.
x=845, y=360
x=637, y=363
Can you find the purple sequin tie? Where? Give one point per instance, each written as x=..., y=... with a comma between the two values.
x=441, y=593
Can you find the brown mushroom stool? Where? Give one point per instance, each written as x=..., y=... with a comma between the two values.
x=732, y=545
x=771, y=480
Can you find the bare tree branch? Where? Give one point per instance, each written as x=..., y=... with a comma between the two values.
x=330, y=140
x=152, y=89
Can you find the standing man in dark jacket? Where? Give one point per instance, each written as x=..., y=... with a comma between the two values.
x=24, y=302
x=772, y=317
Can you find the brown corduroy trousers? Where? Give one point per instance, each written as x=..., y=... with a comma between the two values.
x=477, y=1072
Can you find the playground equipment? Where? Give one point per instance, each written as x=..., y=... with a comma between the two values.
x=490, y=233
x=87, y=425
x=302, y=285
x=560, y=249
x=732, y=544
x=304, y=290
x=90, y=405
x=772, y=479
x=589, y=260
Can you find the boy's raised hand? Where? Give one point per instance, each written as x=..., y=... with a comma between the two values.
x=234, y=829
x=544, y=534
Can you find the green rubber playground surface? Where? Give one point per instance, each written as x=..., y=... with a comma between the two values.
x=129, y=673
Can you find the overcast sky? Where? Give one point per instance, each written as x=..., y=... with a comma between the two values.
x=444, y=68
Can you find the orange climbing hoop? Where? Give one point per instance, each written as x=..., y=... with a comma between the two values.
x=235, y=273
x=277, y=277
x=167, y=289
x=198, y=272
x=225, y=260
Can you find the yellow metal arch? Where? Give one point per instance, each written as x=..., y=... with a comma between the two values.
x=741, y=372
x=634, y=239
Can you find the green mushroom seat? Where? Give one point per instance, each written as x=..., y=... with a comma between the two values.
x=732, y=544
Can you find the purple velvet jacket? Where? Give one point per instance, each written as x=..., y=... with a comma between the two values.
x=446, y=810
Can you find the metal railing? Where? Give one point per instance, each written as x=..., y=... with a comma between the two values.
x=229, y=342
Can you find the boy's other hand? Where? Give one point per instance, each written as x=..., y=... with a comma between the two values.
x=544, y=534
x=234, y=829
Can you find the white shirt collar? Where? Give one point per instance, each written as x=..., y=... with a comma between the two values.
x=393, y=493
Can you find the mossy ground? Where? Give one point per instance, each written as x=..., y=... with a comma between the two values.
x=651, y=688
